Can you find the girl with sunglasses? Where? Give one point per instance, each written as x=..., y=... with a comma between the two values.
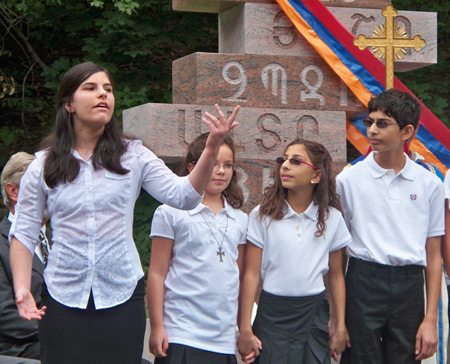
x=295, y=237
x=195, y=268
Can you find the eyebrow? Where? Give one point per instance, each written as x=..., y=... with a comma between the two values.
x=95, y=84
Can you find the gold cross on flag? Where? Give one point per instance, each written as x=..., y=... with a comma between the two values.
x=390, y=42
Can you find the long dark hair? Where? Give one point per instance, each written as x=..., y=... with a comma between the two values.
x=60, y=165
x=324, y=193
x=233, y=193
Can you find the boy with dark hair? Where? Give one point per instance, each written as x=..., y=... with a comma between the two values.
x=395, y=212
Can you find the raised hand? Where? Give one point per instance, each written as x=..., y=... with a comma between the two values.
x=219, y=126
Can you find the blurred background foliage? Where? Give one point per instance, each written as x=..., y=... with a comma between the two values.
x=137, y=41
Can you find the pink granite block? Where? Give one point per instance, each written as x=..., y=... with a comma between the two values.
x=261, y=136
x=260, y=81
x=216, y=6
x=265, y=29
x=262, y=132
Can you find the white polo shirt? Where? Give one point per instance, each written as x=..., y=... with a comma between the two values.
x=294, y=261
x=391, y=216
x=201, y=293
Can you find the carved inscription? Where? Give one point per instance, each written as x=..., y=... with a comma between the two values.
x=240, y=80
x=284, y=33
x=312, y=88
x=275, y=69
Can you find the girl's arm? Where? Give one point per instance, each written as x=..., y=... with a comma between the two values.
x=336, y=283
x=241, y=265
x=219, y=129
x=21, y=262
x=157, y=272
x=248, y=344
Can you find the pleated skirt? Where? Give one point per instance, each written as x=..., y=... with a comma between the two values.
x=89, y=336
x=293, y=330
x=183, y=354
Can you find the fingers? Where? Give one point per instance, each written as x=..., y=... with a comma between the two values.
x=250, y=358
x=335, y=356
x=424, y=348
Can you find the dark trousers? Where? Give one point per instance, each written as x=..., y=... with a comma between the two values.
x=384, y=309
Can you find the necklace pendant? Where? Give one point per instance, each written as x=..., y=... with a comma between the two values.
x=220, y=253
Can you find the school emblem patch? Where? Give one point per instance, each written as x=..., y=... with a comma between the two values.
x=413, y=197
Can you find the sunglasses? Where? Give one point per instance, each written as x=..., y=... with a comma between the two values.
x=380, y=123
x=294, y=162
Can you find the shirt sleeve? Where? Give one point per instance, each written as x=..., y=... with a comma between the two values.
x=256, y=231
x=161, y=183
x=340, y=189
x=341, y=237
x=437, y=211
x=162, y=223
x=30, y=206
x=243, y=238
x=447, y=187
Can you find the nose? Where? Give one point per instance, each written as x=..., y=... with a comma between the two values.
x=102, y=92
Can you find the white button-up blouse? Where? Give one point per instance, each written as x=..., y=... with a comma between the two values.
x=92, y=223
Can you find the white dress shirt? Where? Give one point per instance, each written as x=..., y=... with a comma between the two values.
x=92, y=219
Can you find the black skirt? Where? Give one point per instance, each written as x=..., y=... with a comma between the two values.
x=293, y=330
x=183, y=354
x=88, y=336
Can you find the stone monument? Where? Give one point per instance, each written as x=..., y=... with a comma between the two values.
x=283, y=87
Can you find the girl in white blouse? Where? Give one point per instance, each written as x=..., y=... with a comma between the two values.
x=194, y=274
x=295, y=237
x=88, y=177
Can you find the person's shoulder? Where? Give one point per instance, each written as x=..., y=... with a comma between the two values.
x=423, y=175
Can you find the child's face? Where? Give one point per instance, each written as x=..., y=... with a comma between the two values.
x=390, y=138
x=298, y=176
x=222, y=172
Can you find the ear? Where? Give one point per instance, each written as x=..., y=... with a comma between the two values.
x=13, y=191
x=68, y=107
x=317, y=177
x=408, y=132
x=190, y=167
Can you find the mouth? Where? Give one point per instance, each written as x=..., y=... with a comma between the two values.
x=219, y=180
x=374, y=141
x=102, y=105
x=285, y=177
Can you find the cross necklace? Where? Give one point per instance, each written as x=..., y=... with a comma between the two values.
x=220, y=251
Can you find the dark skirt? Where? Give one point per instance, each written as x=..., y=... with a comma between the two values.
x=293, y=330
x=183, y=354
x=88, y=336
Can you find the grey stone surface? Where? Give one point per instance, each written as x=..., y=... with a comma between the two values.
x=265, y=29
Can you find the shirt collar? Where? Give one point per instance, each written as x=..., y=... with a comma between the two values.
x=310, y=212
x=200, y=207
x=377, y=171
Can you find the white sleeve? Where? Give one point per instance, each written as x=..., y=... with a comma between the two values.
x=341, y=237
x=30, y=206
x=256, y=231
x=162, y=223
x=161, y=183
